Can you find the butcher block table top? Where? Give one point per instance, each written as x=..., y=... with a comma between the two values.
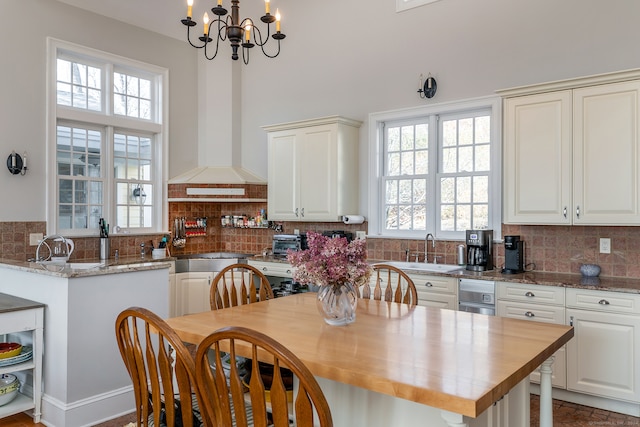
x=452, y=360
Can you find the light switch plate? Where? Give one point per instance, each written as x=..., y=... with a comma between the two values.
x=361, y=235
x=34, y=238
x=605, y=245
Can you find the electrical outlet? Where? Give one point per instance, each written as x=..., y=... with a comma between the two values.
x=34, y=238
x=605, y=245
x=296, y=231
x=361, y=235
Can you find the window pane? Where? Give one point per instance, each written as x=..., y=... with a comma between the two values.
x=447, y=218
x=449, y=133
x=391, y=222
x=392, y=191
x=406, y=142
x=465, y=131
x=483, y=129
x=419, y=191
x=450, y=160
x=463, y=190
x=65, y=216
x=419, y=217
x=80, y=217
x=483, y=158
x=95, y=192
x=447, y=190
x=145, y=88
x=466, y=159
x=80, y=192
x=480, y=189
x=405, y=218
x=480, y=216
x=463, y=217
x=120, y=105
x=65, y=191
x=132, y=86
x=422, y=136
x=406, y=160
x=422, y=162
x=393, y=139
x=393, y=164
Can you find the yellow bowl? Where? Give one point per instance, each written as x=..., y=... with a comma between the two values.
x=9, y=349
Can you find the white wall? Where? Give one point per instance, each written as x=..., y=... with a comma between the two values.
x=340, y=57
x=24, y=26
x=359, y=56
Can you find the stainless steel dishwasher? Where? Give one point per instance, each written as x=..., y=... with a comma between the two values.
x=477, y=296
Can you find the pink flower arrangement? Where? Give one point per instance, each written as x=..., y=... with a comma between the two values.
x=331, y=261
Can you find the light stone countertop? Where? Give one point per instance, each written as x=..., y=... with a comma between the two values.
x=602, y=283
x=110, y=266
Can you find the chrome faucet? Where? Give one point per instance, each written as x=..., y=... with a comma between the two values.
x=142, y=253
x=426, y=247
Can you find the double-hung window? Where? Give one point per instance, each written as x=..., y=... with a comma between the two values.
x=435, y=170
x=107, y=142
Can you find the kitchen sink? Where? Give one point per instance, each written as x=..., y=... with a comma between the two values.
x=425, y=267
x=211, y=261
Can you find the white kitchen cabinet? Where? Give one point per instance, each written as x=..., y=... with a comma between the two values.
x=173, y=307
x=313, y=169
x=573, y=156
x=23, y=321
x=276, y=269
x=602, y=358
x=537, y=303
x=192, y=291
x=436, y=291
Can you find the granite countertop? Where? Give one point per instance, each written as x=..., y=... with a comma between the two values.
x=90, y=267
x=616, y=284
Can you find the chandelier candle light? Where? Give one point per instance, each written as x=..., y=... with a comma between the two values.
x=237, y=32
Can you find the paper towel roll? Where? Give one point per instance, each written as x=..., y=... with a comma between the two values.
x=353, y=219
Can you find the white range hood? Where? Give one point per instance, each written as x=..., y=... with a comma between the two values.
x=217, y=175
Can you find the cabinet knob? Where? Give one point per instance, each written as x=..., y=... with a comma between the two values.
x=288, y=271
x=529, y=314
x=302, y=212
x=529, y=294
x=578, y=212
x=429, y=285
x=603, y=302
x=296, y=212
x=564, y=212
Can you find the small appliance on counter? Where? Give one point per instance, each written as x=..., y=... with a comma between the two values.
x=339, y=233
x=283, y=242
x=479, y=250
x=513, y=255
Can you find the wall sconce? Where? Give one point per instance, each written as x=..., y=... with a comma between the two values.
x=17, y=164
x=139, y=195
x=428, y=88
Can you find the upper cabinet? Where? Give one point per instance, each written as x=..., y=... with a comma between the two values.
x=313, y=169
x=572, y=156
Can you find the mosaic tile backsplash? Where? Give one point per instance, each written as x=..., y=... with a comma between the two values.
x=557, y=249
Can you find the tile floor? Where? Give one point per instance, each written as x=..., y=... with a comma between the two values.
x=566, y=414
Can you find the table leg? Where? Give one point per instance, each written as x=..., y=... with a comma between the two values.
x=453, y=420
x=546, y=401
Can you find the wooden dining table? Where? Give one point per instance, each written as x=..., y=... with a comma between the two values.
x=403, y=365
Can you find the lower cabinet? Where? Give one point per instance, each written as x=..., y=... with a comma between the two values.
x=436, y=291
x=603, y=358
x=540, y=304
x=192, y=292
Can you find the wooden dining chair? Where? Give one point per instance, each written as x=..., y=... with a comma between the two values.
x=161, y=369
x=236, y=285
x=228, y=397
x=390, y=284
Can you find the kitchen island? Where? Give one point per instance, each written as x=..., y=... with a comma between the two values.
x=84, y=379
x=401, y=365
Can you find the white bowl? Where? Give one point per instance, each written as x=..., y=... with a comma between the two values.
x=9, y=387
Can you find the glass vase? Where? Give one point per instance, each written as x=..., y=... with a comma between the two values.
x=337, y=303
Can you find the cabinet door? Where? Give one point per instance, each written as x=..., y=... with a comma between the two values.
x=606, y=154
x=317, y=172
x=194, y=292
x=537, y=159
x=602, y=356
x=282, y=190
x=173, y=299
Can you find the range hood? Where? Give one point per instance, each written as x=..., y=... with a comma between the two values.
x=217, y=175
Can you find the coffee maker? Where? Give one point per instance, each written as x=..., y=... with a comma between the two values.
x=513, y=255
x=479, y=250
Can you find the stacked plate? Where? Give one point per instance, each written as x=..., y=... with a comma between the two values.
x=26, y=353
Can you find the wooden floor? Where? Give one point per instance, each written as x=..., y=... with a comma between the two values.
x=565, y=414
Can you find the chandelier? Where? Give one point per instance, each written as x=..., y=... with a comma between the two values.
x=239, y=33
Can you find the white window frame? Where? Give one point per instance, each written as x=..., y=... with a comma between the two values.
x=376, y=189
x=157, y=127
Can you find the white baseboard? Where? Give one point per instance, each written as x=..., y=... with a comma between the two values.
x=627, y=408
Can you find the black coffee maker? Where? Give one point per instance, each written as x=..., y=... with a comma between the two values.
x=479, y=250
x=513, y=255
